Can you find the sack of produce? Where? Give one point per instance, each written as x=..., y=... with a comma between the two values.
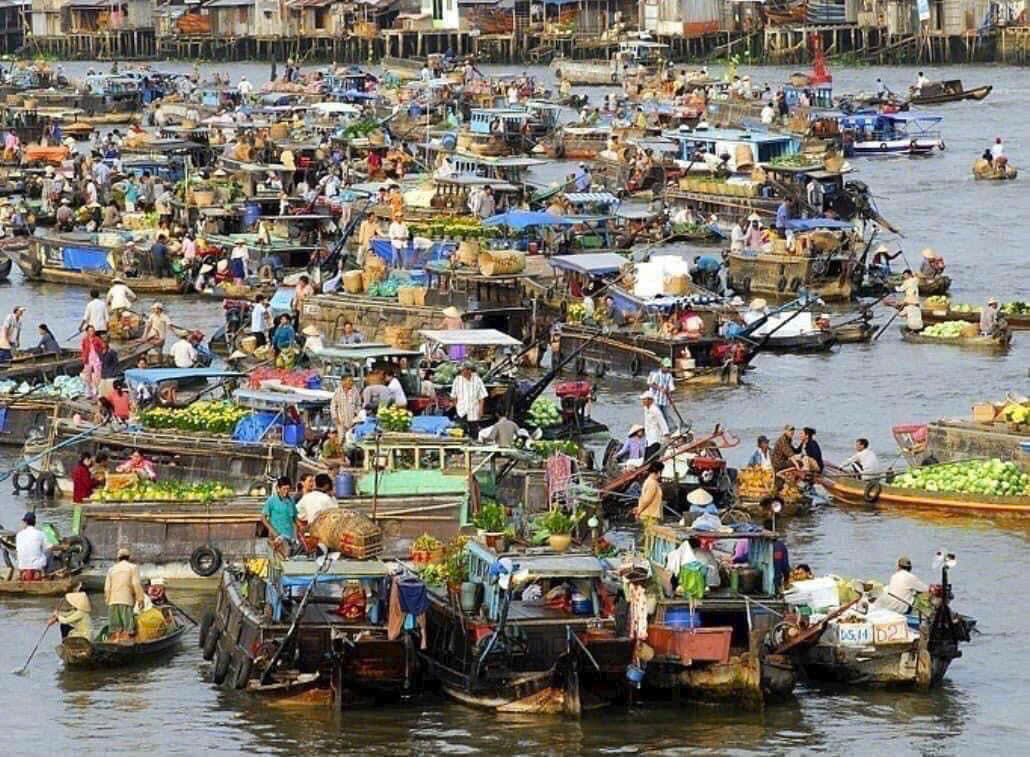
x=352, y=282
x=150, y=625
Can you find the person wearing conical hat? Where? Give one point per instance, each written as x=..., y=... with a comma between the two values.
x=755, y=237
x=932, y=265
x=158, y=325
x=123, y=591
x=75, y=616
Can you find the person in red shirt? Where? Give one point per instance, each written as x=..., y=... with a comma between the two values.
x=119, y=399
x=83, y=482
x=90, y=342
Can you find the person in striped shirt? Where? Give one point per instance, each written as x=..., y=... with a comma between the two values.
x=661, y=385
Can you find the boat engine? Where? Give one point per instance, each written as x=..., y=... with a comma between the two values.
x=574, y=398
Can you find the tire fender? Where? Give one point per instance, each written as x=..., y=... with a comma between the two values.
x=206, y=560
x=222, y=662
x=871, y=493
x=211, y=642
x=46, y=485
x=241, y=671
x=205, y=628
x=781, y=285
x=24, y=481
x=883, y=147
x=79, y=546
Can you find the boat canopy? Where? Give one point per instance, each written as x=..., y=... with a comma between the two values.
x=809, y=224
x=342, y=568
x=521, y=219
x=591, y=263
x=261, y=400
x=470, y=337
x=152, y=376
x=591, y=198
x=359, y=353
x=557, y=565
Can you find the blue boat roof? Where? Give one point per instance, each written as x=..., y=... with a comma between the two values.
x=591, y=263
x=808, y=224
x=157, y=375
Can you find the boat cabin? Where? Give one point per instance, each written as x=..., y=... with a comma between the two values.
x=762, y=147
x=643, y=52
x=819, y=95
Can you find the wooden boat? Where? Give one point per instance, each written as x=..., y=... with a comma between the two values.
x=35, y=367
x=55, y=587
x=81, y=260
x=951, y=439
x=345, y=646
x=999, y=342
x=1015, y=321
x=783, y=275
x=564, y=663
x=577, y=142
x=984, y=170
x=948, y=91
x=635, y=57
x=721, y=652
x=854, y=333
x=854, y=491
x=77, y=652
x=938, y=285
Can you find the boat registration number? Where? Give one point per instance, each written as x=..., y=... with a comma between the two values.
x=855, y=634
x=895, y=632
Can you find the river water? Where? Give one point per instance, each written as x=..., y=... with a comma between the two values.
x=981, y=229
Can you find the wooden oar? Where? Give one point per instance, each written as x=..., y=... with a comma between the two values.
x=179, y=610
x=23, y=668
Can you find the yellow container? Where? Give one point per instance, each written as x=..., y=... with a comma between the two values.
x=150, y=625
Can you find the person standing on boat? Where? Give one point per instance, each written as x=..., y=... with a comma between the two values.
x=989, y=318
x=279, y=513
x=998, y=153
x=32, y=549
x=784, y=450
x=159, y=257
x=783, y=216
x=119, y=298
x=74, y=616
x=469, y=393
x=122, y=592
x=909, y=287
x=344, y=406
x=10, y=334
x=921, y=81
x=655, y=426
x=901, y=590
x=95, y=315
x=238, y=261
x=649, y=504
x=737, y=236
x=260, y=321
x=661, y=385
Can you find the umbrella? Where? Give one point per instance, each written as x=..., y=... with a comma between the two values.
x=520, y=219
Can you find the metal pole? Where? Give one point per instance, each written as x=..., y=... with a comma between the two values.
x=375, y=477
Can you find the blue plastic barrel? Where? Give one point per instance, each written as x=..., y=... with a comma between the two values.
x=251, y=213
x=293, y=434
x=344, y=484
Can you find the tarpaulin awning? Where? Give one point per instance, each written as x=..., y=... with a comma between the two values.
x=260, y=400
x=600, y=198
x=521, y=219
x=470, y=337
x=594, y=263
x=85, y=258
x=157, y=375
x=810, y=224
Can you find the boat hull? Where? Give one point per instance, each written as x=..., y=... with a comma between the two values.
x=998, y=343
x=881, y=495
x=77, y=652
x=55, y=588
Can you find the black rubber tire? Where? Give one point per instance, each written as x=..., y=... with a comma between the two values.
x=8, y=560
x=796, y=283
x=211, y=643
x=635, y=366
x=81, y=548
x=46, y=485
x=781, y=285
x=883, y=147
x=871, y=494
x=266, y=273
x=241, y=671
x=205, y=561
x=19, y=481
x=221, y=670
x=205, y=628
x=615, y=77
x=745, y=285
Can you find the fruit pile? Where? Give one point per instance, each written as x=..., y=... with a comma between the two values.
x=464, y=227
x=545, y=448
x=754, y=483
x=289, y=378
x=576, y=312
x=992, y=477
x=1016, y=413
x=937, y=302
x=946, y=330
x=445, y=373
x=393, y=418
x=544, y=413
x=213, y=417
x=166, y=491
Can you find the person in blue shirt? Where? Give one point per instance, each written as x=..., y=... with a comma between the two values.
x=634, y=446
x=284, y=337
x=279, y=513
x=783, y=215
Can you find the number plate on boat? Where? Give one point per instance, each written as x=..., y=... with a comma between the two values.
x=895, y=632
x=855, y=634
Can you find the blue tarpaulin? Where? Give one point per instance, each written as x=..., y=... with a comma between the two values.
x=414, y=256
x=809, y=224
x=520, y=219
x=85, y=258
x=157, y=375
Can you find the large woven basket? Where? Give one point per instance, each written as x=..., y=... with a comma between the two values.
x=348, y=532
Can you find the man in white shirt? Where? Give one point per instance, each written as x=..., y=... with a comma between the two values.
x=398, y=237
x=901, y=590
x=10, y=333
x=32, y=550
x=184, y=351
x=913, y=316
x=655, y=427
x=768, y=114
x=469, y=392
x=997, y=149
x=260, y=321
x=737, y=236
x=318, y=500
x=119, y=297
x=393, y=385
x=864, y=462
x=95, y=314
x=244, y=87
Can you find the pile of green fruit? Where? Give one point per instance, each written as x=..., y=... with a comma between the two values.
x=393, y=418
x=961, y=308
x=576, y=312
x=545, y=448
x=1016, y=308
x=946, y=330
x=166, y=491
x=213, y=417
x=464, y=227
x=992, y=477
x=937, y=301
x=445, y=373
x=544, y=413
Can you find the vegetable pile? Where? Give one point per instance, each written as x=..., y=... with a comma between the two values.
x=393, y=418
x=213, y=417
x=937, y=301
x=166, y=491
x=946, y=330
x=65, y=387
x=576, y=312
x=544, y=413
x=545, y=448
x=991, y=477
x=1016, y=413
x=445, y=373
x=454, y=227
x=289, y=378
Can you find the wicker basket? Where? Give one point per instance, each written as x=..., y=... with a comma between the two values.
x=279, y=130
x=352, y=282
x=349, y=532
x=398, y=337
x=468, y=252
x=501, y=262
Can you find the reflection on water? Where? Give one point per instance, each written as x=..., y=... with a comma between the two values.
x=859, y=390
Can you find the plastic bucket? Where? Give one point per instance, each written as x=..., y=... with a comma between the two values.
x=344, y=484
x=418, y=277
x=293, y=434
x=449, y=141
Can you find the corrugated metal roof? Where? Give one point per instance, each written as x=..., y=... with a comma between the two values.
x=471, y=337
x=228, y=3
x=577, y=198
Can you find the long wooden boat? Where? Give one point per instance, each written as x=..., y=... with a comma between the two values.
x=33, y=367
x=1015, y=321
x=986, y=171
x=78, y=652
x=938, y=285
x=54, y=259
x=948, y=91
x=950, y=439
x=854, y=491
x=55, y=587
x=783, y=275
x=1000, y=343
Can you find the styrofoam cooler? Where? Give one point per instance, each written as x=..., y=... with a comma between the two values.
x=650, y=280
